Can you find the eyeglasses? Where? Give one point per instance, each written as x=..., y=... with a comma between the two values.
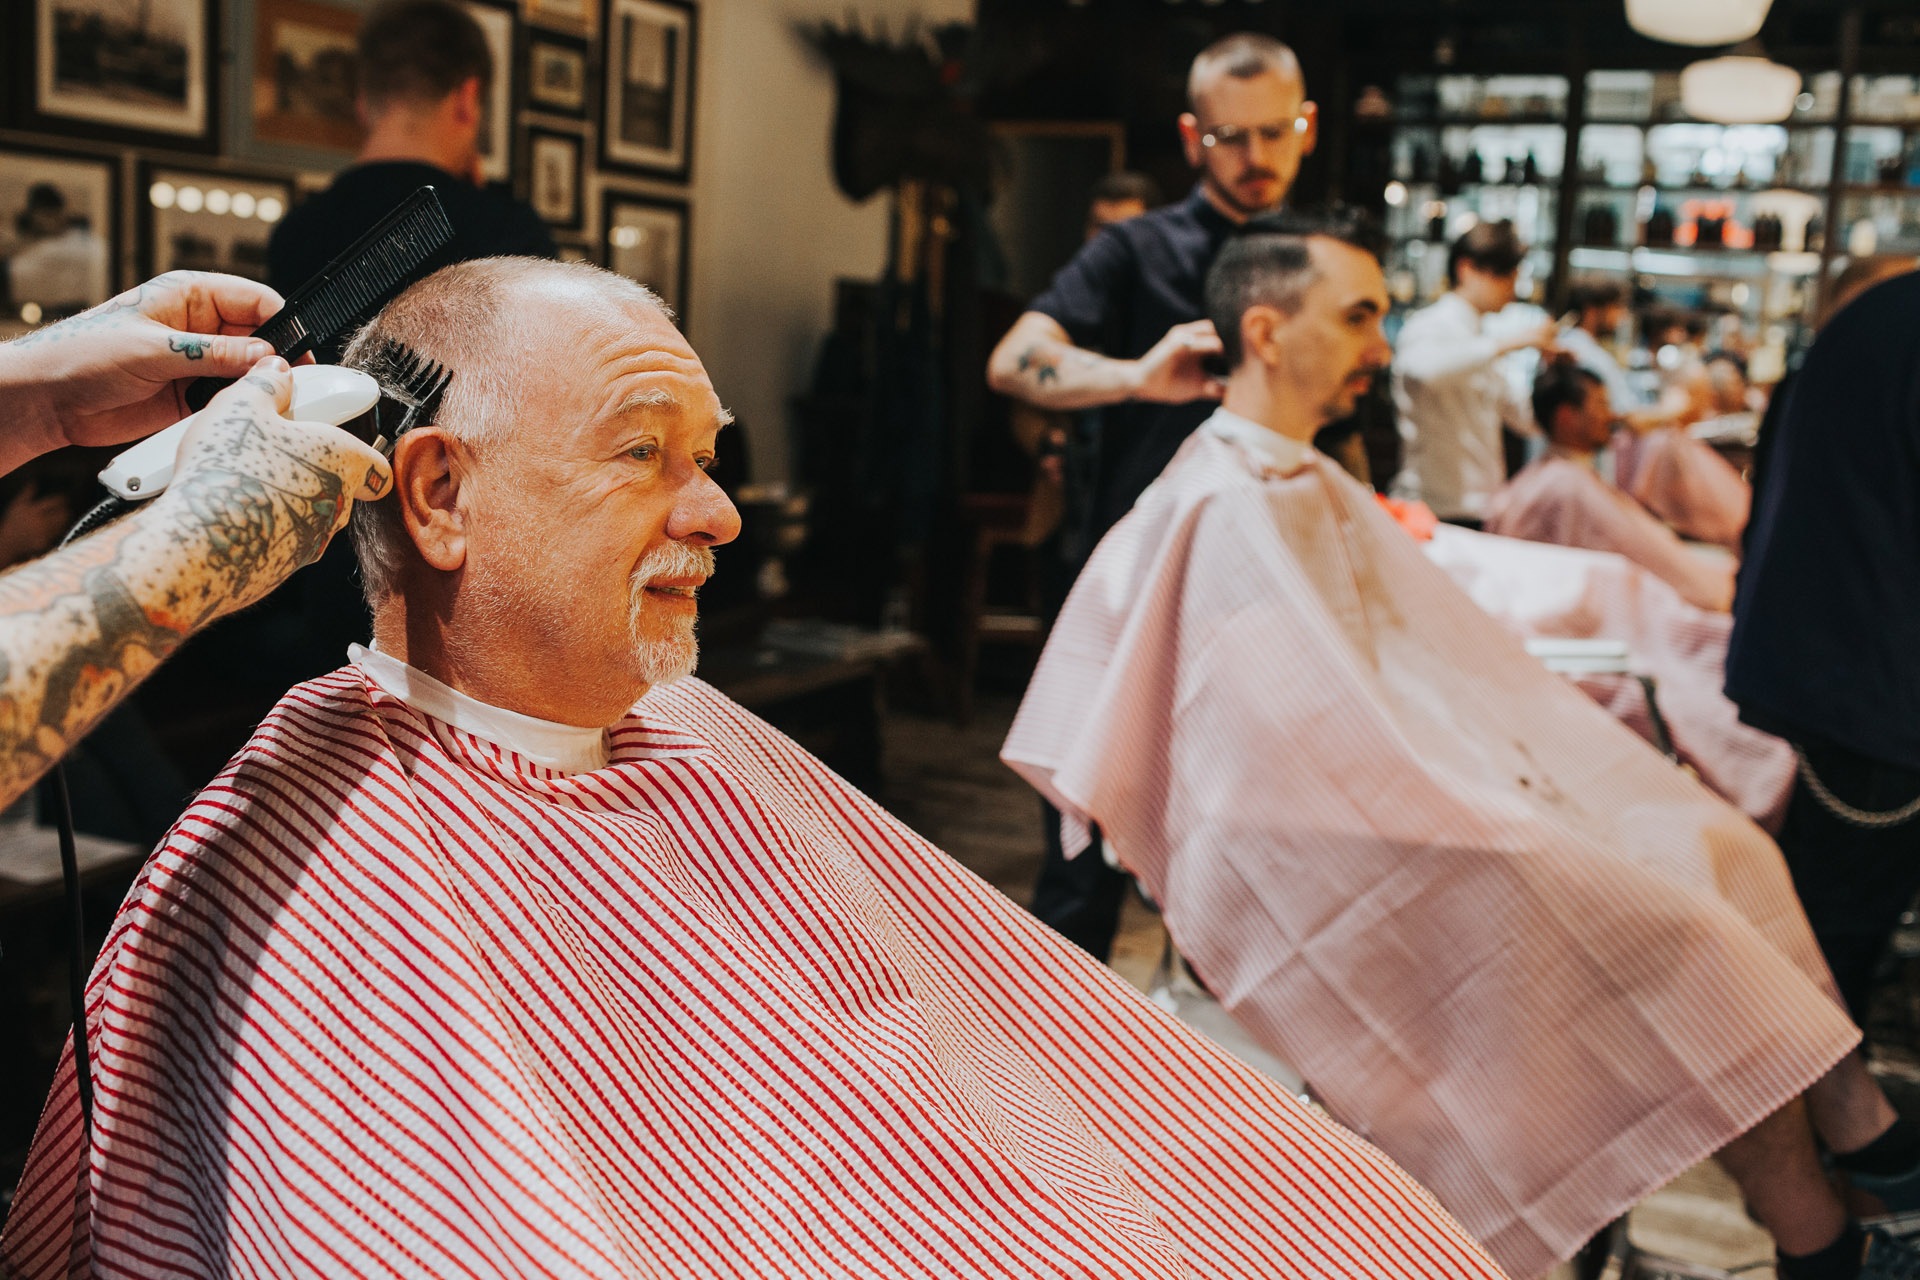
x=1240, y=138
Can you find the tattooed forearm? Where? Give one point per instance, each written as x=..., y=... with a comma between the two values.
x=1040, y=366
x=1037, y=363
x=79, y=629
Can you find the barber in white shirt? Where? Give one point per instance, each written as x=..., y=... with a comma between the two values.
x=1449, y=391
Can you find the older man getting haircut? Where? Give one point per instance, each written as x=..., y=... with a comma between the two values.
x=508, y=951
x=1499, y=935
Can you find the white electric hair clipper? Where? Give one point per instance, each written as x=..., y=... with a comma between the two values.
x=321, y=393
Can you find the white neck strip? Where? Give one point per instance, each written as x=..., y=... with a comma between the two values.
x=566, y=747
x=1282, y=453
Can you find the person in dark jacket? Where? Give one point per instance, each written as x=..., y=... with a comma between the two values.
x=424, y=73
x=1826, y=636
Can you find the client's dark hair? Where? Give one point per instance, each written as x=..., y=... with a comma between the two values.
x=1584, y=295
x=1266, y=263
x=420, y=51
x=1561, y=384
x=1493, y=247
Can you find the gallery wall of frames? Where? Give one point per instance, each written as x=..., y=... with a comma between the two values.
x=141, y=136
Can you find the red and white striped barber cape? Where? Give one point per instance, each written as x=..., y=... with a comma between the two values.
x=1496, y=933
x=1539, y=590
x=392, y=1001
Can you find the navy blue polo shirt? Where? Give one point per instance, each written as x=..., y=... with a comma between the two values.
x=1120, y=294
x=1826, y=617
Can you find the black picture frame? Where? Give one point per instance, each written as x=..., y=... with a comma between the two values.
x=127, y=113
x=60, y=169
x=543, y=47
x=671, y=157
x=644, y=211
x=500, y=22
x=542, y=145
x=243, y=256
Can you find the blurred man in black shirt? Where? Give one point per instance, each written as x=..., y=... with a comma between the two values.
x=424, y=73
x=1826, y=624
x=1122, y=329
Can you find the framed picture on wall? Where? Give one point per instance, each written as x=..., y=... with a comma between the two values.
x=497, y=23
x=196, y=220
x=566, y=15
x=645, y=239
x=59, y=234
x=305, y=74
x=145, y=73
x=646, y=118
x=556, y=74
x=554, y=177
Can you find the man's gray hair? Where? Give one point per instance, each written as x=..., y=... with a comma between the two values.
x=463, y=317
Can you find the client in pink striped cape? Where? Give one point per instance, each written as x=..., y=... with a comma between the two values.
x=506, y=951
x=1496, y=932
x=1560, y=497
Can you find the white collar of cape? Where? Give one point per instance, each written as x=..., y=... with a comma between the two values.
x=566, y=747
x=1280, y=453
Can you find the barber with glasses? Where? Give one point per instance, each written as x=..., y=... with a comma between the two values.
x=1121, y=331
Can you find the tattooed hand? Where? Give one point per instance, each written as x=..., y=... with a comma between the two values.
x=119, y=372
x=254, y=497
x=266, y=493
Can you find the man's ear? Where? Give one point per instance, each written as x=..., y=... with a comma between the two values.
x=466, y=100
x=1260, y=337
x=1190, y=139
x=1310, y=112
x=426, y=483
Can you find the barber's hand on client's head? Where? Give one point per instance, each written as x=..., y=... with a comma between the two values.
x=119, y=372
x=268, y=492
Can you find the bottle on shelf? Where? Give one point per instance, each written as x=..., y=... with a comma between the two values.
x=1600, y=226
x=1530, y=171
x=1658, y=232
x=1474, y=170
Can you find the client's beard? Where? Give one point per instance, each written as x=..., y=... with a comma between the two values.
x=665, y=658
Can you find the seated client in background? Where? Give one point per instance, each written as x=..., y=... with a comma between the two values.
x=1496, y=932
x=1560, y=497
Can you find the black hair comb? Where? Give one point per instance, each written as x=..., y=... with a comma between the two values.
x=420, y=382
x=370, y=270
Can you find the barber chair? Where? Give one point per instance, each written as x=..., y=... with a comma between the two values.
x=994, y=521
x=1605, y=657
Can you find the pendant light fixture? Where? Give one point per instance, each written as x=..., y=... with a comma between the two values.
x=1744, y=87
x=1698, y=22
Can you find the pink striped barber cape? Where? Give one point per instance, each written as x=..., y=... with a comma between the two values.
x=1686, y=483
x=1495, y=932
x=1564, y=500
x=391, y=1000
x=1541, y=591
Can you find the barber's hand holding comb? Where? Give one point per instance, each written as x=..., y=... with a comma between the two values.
x=119, y=372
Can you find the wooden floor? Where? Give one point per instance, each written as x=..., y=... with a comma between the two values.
x=949, y=785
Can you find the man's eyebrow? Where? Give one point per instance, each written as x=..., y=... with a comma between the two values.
x=1366, y=304
x=651, y=398
x=661, y=398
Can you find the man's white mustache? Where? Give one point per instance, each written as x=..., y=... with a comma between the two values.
x=674, y=560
